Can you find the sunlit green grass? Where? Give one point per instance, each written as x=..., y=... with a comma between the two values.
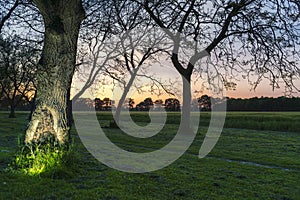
x=214, y=177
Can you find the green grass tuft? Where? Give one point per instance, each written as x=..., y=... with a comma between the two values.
x=37, y=159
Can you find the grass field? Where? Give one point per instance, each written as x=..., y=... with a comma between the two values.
x=256, y=157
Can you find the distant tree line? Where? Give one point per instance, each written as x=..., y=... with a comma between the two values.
x=170, y=104
x=264, y=104
x=252, y=104
x=203, y=103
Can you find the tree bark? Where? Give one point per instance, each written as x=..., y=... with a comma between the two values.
x=186, y=74
x=12, y=111
x=50, y=119
x=186, y=104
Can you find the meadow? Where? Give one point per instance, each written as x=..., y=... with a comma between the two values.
x=256, y=157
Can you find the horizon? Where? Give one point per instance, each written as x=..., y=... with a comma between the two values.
x=163, y=99
x=166, y=73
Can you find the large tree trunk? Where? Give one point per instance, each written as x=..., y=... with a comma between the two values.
x=186, y=105
x=12, y=111
x=186, y=74
x=50, y=119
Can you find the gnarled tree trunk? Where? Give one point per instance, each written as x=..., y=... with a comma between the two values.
x=50, y=119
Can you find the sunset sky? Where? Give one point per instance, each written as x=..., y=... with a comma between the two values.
x=243, y=89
